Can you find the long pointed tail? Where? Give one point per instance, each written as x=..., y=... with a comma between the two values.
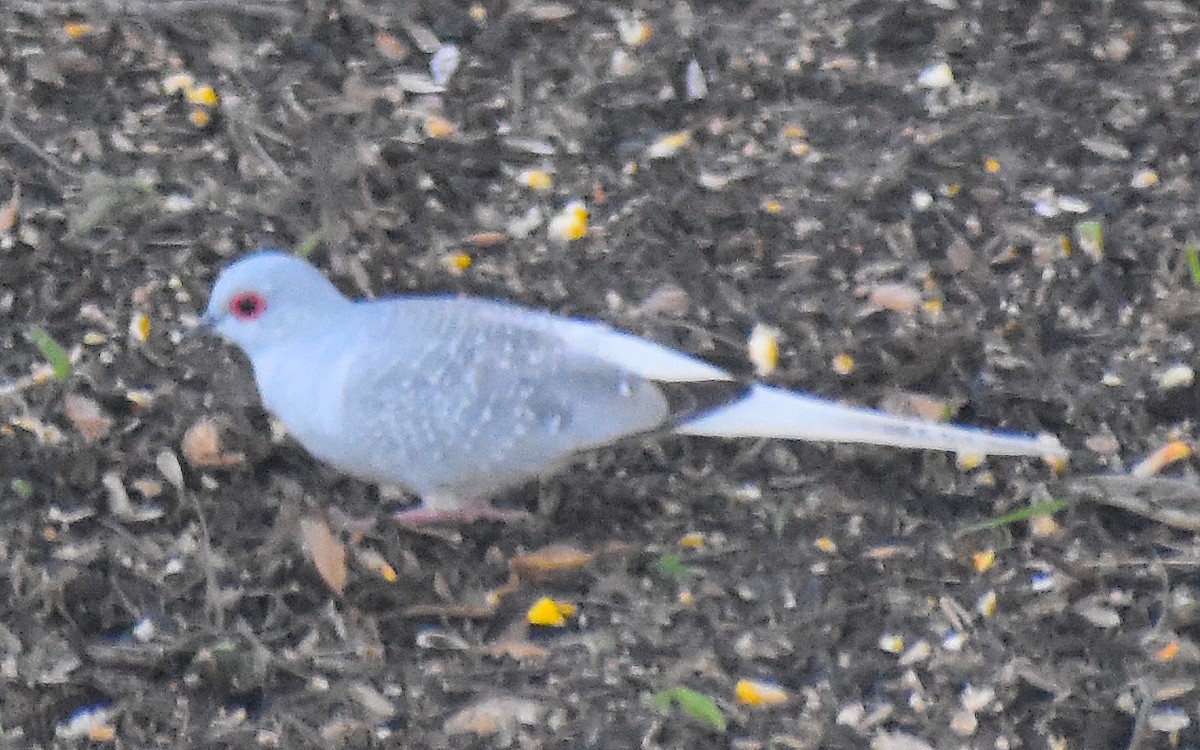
x=773, y=412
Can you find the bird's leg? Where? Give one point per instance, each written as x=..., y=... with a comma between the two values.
x=448, y=508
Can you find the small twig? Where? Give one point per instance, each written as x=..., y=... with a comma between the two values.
x=160, y=8
x=1141, y=720
x=7, y=126
x=211, y=588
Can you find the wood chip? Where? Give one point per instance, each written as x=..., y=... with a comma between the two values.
x=87, y=416
x=327, y=554
x=202, y=447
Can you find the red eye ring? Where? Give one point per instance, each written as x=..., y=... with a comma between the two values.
x=247, y=305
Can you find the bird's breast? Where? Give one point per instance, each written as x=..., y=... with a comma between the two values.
x=303, y=389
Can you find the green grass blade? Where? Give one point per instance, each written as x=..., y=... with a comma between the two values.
x=55, y=354
x=310, y=243
x=1193, y=260
x=695, y=704
x=1047, y=508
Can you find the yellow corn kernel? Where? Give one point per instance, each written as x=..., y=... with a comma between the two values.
x=139, y=327
x=759, y=693
x=571, y=223
x=438, y=127
x=984, y=560
x=548, y=612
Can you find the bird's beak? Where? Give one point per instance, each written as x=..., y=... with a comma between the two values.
x=205, y=324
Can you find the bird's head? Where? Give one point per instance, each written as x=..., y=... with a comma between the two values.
x=265, y=298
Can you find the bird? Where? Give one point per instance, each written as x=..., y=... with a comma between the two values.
x=455, y=398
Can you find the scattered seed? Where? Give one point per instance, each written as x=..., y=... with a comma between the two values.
x=693, y=81
x=986, y=604
x=1143, y=178
x=571, y=223
x=438, y=127
x=759, y=693
x=1168, y=652
x=1176, y=376
x=762, y=348
x=1169, y=720
x=443, y=64
x=964, y=723
x=936, y=76
x=536, y=179
x=1161, y=459
x=548, y=612
x=668, y=145
x=893, y=644
x=983, y=561
x=634, y=32
x=376, y=563
x=139, y=328
x=843, y=364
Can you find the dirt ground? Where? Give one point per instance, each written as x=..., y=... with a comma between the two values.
x=964, y=206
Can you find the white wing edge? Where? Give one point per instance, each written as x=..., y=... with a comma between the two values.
x=635, y=354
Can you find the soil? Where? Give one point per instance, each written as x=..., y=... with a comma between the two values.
x=977, y=208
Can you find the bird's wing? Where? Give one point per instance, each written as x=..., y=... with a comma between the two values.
x=632, y=353
x=463, y=392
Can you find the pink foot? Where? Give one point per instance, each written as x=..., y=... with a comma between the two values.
x=422, y=515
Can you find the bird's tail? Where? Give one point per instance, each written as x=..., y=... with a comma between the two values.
x=773, y=412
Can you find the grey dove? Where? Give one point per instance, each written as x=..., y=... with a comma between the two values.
x=455, y=398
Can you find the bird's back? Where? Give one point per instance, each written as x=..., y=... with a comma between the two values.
x=467, y=396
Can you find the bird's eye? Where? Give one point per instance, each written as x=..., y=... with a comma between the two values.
x=247, y=306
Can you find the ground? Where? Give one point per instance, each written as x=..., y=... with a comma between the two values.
x=981, y=207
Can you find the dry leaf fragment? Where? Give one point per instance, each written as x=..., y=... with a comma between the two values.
x=8, y=212
x=46, y=434
x=87, y=416
x=900, y=298
x=498, y=717
x=668, y=299
x=549, y=561
x=909, y=404
x=148, y=488
x=121, y=506
x=547, y=11
x=202, y=447
x=487, y=239
x=328, y=555
x=522, y=651
x=389, y=46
